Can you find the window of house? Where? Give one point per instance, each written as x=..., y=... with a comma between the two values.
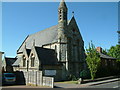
x=32, y=60
x=24, y=61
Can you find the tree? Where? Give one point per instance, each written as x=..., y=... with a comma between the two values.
x=93, y=60
x=114, y=51
x=105, y=51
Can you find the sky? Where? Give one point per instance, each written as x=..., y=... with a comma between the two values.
x=97, y=21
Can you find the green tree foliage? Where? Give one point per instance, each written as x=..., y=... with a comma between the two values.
x=93, y=60
x=114, y=51
x=105, y=51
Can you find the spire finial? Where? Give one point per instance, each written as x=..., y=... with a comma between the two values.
x=72, y=13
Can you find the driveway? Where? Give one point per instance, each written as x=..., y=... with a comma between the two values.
x=65, y=85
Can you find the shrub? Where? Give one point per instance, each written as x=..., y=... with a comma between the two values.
x=85, y=74
x=72, y=77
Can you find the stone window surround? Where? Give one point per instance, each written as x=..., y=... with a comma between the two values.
x=24, y=61
x=32, y=60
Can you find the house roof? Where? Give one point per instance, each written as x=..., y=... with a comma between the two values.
x=106, y=56
x=43, y=37
x=16, y=63
x=46, y=56
x=9, y=61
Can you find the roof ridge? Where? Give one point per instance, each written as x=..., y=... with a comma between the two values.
x=42, y=37
x=10, y=57
x=44, y=29
x=23, y=42
x=108, y=56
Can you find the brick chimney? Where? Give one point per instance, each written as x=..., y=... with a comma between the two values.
x=99, y=49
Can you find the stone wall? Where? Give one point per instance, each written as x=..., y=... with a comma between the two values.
x=48, y=81
x=36, y=78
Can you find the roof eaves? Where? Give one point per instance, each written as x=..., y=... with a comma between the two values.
x=22, y=43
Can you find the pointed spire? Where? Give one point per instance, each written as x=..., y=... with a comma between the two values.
x=62, y=4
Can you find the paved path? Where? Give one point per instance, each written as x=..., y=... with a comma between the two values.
x=101, y=82
x=89, y=85
x=107, y=85
x=64, y=85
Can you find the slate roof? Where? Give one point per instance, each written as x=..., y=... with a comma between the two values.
x=43, y=37
x=106, y=56
x=9, y=61
x=16, y=63
x=46, y=56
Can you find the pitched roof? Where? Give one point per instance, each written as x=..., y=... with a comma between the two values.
x=46, y=56
x=17, y=62
x=9, y=61
x=106, y=56
x=46, y=36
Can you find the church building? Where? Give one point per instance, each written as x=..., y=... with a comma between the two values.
x=57, y=51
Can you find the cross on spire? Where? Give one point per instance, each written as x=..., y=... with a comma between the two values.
x=72, y=13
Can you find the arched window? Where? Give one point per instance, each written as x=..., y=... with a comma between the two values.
x=60, y=11
x=24, y=61
x=60, y=17
x=32, y=60
x=60, y=14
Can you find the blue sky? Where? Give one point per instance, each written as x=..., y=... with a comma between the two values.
x=97, y=22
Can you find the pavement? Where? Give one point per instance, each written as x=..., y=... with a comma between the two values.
x=115, y=84
x=97, y=82
x=101, y=82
